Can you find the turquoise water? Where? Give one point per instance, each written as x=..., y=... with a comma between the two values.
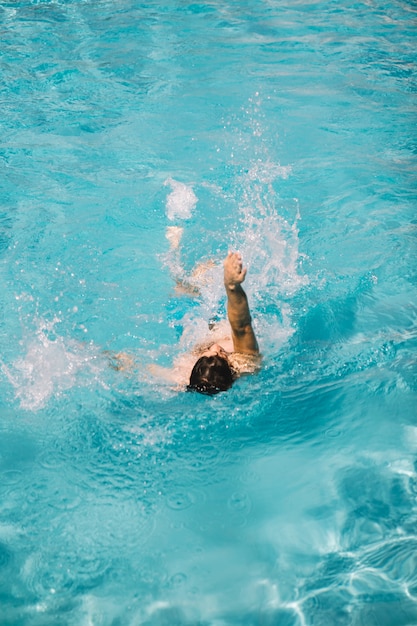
x=288, y=131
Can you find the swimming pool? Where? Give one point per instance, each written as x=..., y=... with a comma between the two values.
x=283, y=129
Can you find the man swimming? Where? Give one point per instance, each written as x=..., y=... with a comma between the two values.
x=221, y=363
x=222, y=358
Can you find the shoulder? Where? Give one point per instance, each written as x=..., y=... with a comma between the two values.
x=245, y=363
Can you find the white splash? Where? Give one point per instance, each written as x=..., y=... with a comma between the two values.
x=269, y=244
x=50, y=366
x=181, y=201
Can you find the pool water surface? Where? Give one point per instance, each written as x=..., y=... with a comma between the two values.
x=286, y=130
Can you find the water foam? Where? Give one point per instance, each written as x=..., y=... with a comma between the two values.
x=181, y=201
x=269, y=244
x=50, y=366
x=269, y=240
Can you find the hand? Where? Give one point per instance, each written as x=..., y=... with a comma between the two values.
x=234, y=273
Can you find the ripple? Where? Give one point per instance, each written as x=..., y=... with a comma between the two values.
x=53, y=493
x=5, y=555
x=90, y=570
x=333, y=433
x=65, y=500
x=364, y=582
x=181, y=500
x=64, y=572
x=55, y=580
x=45, y=575
x=37, y=491
x=412, y=592
x=329, y=602
x=204, y=457
x=11, y=477
x=240, y=502
x=50, y=461
x=177, y=580
x=398, y=560
x=100, y=526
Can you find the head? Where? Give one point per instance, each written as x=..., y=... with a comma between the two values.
x=211, y=373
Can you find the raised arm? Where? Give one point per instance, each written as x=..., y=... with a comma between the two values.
x=244, y=339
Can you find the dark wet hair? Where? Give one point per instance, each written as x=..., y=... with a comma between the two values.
x=210, y=375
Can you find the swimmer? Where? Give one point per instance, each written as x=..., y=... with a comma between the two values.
x=221, y=363
x=213, y=366
x=222, y=358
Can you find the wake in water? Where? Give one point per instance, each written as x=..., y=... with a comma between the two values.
x=52, y=364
